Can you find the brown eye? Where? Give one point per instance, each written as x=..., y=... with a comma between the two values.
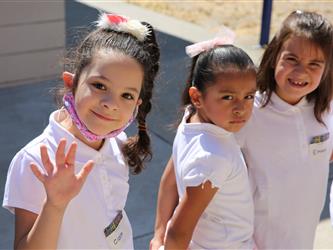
x=99, y=86
x=128, y=96
x=227, y=97
x=249, y=97
x=315, y=65
x=291, y=59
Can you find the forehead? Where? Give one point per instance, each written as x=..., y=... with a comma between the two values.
x=116, y=67
x=236, y=82
x=302, y=48
x=103, y=61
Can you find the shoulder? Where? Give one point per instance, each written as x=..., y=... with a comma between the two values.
x=32, y=149
x=29, y=153
x=22, y=189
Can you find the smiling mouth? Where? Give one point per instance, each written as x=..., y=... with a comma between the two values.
x=103, y=117
x=297, y=84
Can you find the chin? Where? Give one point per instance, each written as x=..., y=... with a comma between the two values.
x=100, y=132
x=235, y=129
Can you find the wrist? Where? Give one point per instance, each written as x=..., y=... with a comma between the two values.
x=56, y=208
x=159, y=235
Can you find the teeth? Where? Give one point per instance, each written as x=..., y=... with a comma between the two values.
x=299, y=83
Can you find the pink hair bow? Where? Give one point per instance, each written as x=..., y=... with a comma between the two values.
x=225, y=36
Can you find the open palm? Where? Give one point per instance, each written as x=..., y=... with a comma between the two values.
x=60, y=181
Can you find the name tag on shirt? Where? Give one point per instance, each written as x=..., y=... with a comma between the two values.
x=320, y=138
x=117, y=232
x=317, y=145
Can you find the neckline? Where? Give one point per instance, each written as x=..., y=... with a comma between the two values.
x=279, y=104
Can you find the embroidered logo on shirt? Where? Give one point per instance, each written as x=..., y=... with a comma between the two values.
x=114, y=224
x=317, y=146
x=320, y=138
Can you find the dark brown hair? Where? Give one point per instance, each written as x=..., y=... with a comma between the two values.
x=137, y=149
x=318, y=30
x=209, y=65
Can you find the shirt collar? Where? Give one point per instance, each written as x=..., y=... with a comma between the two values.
x=280, y=105
x=85, y=153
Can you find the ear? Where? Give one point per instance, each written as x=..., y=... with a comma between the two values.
x=68, y=79
x=195, y=96
x=138, y=103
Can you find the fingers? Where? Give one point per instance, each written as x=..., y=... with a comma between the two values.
x=60, y=154
x=70, y=157
x=82, y=175
x=46, y=160
x=37, y=173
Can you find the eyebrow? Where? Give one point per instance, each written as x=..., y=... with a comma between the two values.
x=109, y=81
x=225, y=91
x=315, y=60
x=134, y=90
x=253, y=90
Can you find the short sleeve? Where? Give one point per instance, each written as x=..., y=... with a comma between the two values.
x=208, y=167
x=23, y=189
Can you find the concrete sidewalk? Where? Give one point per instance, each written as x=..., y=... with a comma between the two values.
x=26, y=109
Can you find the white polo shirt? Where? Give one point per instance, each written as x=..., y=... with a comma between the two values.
x=287, y=152
x=202, y=152
x=102, y=196
x=331, y=204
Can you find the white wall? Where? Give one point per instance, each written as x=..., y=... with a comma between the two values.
x=32, y=40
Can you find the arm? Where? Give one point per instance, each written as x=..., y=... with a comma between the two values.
x=166, y=203
x=41, y=231
x=34, y=231
x=195, y=201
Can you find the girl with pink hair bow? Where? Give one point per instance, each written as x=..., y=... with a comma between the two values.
x=215, y=209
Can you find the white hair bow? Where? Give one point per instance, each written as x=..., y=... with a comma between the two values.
x=124, y=24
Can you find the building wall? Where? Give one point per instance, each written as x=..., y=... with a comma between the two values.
x=32, y=40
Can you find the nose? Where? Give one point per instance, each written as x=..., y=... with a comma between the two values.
x=299, y=69
x=109, y=102
x=239, y=109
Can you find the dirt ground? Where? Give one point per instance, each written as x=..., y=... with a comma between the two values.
x=242, y=16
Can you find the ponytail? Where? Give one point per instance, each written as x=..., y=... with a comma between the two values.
x=137, y=149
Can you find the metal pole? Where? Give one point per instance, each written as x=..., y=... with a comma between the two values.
x=266, y=22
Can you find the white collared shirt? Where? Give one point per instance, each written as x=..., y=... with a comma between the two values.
x=288, y=168
x=331, y=204
x=102, y=196
x=201, y=152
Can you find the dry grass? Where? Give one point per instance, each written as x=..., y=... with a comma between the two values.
x=244, y=17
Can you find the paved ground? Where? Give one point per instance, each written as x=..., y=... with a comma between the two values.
x=25, y=110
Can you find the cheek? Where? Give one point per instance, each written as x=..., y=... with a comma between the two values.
x=81, y=101
x=249, y=107
x=319, y=76
x=128, y=111
x=279, y=73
